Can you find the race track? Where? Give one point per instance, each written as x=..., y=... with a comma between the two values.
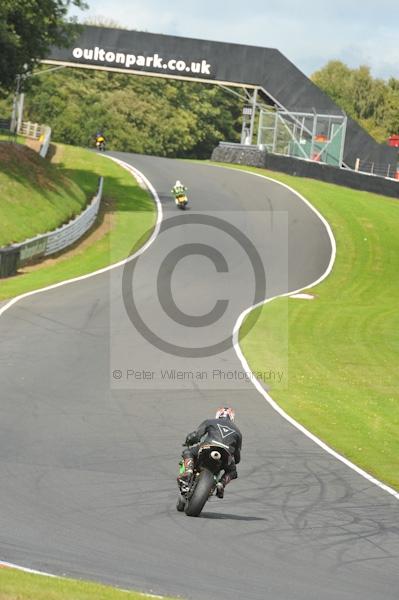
x=88, y=460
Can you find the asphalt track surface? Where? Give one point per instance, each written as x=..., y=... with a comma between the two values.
x=87, y=468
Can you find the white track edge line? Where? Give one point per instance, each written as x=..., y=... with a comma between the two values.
x=246, y=366
x=9, y=565
x=139, y=177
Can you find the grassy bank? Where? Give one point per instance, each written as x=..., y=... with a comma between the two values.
x=35, y=196
x=129, y=210
x=343, y=350
x=17, y=585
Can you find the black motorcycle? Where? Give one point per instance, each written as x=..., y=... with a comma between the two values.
x=210, y=464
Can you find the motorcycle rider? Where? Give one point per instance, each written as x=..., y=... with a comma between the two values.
x=100, y=138
x=221, y=429
x=178, y=190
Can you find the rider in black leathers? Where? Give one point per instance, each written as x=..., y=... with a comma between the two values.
x=223, y=430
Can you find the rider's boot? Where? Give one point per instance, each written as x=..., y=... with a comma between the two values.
x=188, y=465
x=221, y=485
x=220, y=490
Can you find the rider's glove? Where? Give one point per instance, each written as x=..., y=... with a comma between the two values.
x=191, y=439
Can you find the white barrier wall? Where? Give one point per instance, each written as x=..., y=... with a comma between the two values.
x=59, y=239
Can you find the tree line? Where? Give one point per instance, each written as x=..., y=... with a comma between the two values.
x=372, y=102
x=178, y=118
x=136, y=114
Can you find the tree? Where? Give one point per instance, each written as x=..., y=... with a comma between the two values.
x=100, y=21
x=137, y=114
x=374, y=103
x=335, y=79
x=28, y=28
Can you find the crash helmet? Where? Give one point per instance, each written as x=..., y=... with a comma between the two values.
x=225, y=413
x=178, y=183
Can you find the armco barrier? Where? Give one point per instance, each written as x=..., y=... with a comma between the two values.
x=52, y=242
x=257, y=157
x=9, y=259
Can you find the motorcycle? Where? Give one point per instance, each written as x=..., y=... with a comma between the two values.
x=100, y=144
x=210, y=464
x=181, y=201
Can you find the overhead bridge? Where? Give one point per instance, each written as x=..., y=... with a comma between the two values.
x=278, y=80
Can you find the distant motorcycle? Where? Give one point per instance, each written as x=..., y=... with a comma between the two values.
x=181, y=201
x=209, y=467
x=100, y=144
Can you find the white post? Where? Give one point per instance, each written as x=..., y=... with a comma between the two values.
x=343, y=140
x=314, y=130
x=251, y=128
x=20, y=111
x=357, y=164
x=259, y=139
x=275, y=131
x=13, y=124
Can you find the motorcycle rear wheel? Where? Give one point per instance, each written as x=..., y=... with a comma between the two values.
x=203, y=487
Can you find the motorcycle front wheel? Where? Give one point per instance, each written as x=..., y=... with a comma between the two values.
x=203, y=488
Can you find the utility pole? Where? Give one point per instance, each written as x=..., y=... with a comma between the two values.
x=14, y=114
x=18, y=103
x=20, y=111
x=251, y=127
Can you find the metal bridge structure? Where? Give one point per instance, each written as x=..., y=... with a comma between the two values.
x=326, y=134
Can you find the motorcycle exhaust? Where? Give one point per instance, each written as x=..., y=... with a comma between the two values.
x=216, y=455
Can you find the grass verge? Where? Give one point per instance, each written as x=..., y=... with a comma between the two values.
x=18, y=585
x=343, y=346
x=6, y=136
x=133, y=218
x=35, y=196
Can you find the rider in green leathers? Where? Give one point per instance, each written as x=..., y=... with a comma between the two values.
x=178, y=190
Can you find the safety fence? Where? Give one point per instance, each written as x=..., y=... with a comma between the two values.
x=16, y=255
x=5, y=125
x=5, y=131
x=31, y=130
x=259, y=157
x=391, y=171
x=40, y=133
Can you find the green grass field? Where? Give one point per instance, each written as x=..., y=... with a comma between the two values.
x=133, y=218
x=17, y=585
x=9, y=137
x=343, y=346
x=35, y=196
